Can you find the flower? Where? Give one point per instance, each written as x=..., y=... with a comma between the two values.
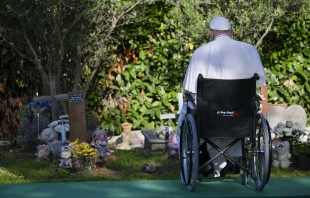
x=84, y=152
x=297, y=135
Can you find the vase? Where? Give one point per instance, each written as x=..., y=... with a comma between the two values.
x=126, y=127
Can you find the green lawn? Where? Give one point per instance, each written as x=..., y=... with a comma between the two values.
x=17, y=168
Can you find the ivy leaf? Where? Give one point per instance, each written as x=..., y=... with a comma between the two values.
x=114, y=87
x=157, y=112
x=307, y=87
x=299, y=70
x=142, y=54
x=126, y=74
x=136, y=123
x=156, y=103
x=133, y=74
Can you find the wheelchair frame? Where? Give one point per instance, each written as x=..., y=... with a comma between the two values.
x=256, y=148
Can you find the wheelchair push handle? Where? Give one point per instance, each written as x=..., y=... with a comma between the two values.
x=256, y=76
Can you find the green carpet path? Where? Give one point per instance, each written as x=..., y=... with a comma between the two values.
x=277, y=187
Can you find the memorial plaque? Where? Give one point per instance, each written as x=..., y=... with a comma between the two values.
x=293, y=113
x=77, y=97
x=77, y=116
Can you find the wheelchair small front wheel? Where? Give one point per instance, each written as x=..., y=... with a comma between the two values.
x=189, y=155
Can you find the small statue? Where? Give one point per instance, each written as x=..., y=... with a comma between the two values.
x=66, y=157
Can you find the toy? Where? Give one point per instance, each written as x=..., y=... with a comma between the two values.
x=100, y=142
x=281, y=154
x=173, y=145
x=48, y=135
x=66, y=157
x=164, y=132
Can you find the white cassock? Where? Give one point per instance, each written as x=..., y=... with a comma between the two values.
x=223, y=58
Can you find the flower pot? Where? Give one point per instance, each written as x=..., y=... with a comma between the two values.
x=126, y=127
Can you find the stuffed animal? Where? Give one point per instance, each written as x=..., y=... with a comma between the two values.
x=52, y=146
x=66, y=157
x=100, y=142
x=48, y=135
x=173, y=145
x=164, y=132
x=281, y=154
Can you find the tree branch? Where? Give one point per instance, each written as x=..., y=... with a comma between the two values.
x=78, y=69
x=36, y=60
x=90, y=79
x=19, y=53
x=266, y=32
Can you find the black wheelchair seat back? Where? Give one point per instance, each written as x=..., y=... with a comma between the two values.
x=226, y=108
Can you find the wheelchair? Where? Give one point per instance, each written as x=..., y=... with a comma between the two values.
x=226, y=109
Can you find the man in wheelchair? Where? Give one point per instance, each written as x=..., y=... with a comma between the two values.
x=221, y=59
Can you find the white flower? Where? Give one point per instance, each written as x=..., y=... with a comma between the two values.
x=287, y=131
x=288, y=134
x=296, y=127
x=303, y=138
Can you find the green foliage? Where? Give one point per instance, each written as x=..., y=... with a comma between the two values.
x=152, y=54
x=287, y=61
x=149, y=83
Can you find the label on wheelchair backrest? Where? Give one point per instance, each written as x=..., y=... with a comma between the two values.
x=227, y=113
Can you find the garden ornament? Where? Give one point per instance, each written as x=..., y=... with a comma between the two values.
x=63, y=126
x=281, y=154
x=66, y=157
x=125, y=145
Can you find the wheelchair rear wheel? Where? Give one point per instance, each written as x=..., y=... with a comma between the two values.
x=189, y=155
x=262, y=153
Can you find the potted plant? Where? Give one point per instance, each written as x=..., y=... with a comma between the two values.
x=124, y=104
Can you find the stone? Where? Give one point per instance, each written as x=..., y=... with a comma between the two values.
x=153, y=142
x=294, y=113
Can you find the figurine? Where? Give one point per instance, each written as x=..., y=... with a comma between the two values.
x=66, y=157
x=100, y=142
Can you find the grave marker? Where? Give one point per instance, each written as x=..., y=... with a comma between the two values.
x=77, y=116
x=293, y=113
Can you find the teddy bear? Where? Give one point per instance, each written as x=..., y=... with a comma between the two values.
x=48, y=135
x=52, y=146
x=281, y=154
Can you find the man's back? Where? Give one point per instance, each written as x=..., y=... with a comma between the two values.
x=224, y=58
